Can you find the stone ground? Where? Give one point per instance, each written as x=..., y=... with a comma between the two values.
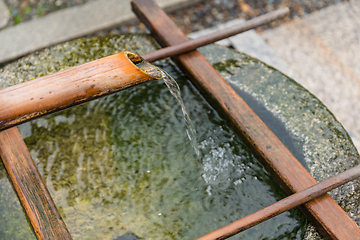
x=324, y=56
x=317, y=45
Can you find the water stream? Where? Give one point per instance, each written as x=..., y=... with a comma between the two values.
x=175, y=91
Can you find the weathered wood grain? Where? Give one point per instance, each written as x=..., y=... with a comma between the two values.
x=326, y=215
x=30, y=188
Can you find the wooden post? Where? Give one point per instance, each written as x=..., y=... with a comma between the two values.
x=73, y=86
x=30, y=188
x=326, y=215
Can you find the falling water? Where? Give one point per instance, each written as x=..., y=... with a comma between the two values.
x=175, y=91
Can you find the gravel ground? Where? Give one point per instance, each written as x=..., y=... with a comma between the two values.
x=200, y=16
x=213, y=12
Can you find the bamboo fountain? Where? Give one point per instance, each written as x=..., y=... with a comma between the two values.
x=86, y=82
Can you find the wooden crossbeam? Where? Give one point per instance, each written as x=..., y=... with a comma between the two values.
x=324, y=213
x=30, y=188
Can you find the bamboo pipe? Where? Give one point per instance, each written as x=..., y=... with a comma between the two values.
x=73, y=86
x=284, y=205
x=216, y=36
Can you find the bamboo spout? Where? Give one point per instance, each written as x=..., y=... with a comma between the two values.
x=73, y=86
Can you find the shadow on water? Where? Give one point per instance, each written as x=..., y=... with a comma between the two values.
x=276, y=126
x=233, y=68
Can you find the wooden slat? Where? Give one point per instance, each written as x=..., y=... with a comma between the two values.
x=326, y=215
x=30, y=188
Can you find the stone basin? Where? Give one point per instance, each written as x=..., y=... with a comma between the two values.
x=123, y=166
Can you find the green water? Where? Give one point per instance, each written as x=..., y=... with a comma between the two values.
x=124, y=164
